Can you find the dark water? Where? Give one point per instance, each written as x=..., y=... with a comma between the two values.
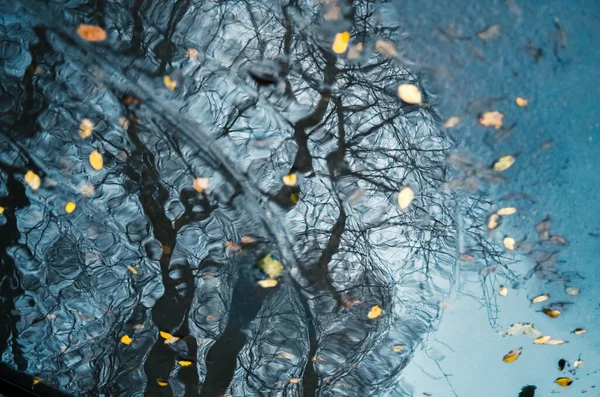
x=243, y=93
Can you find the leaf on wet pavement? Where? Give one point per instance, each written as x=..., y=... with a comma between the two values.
x=409, y=93
x=273, y=268
x=507, y=211
x=405, y=197
x=509, y=243
x=504, y=163
x=96, y=160
x=340, y=42
x=91, y=33
x=491, y=119
x=33, y=180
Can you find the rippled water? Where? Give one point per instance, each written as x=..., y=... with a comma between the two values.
x=241, y=94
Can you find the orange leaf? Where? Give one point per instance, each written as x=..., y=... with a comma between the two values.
x=91, y=32
x=270, y=283
x=96, y=160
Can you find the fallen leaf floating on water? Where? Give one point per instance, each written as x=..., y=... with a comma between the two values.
x=201, y=184
x=374, y=312
x=247, y=240
x=386, y=48
x=169, y=339
x=126, y=339
x=87, y=190
x=491, y=119
x=564, y=381
x=294, y=380
x=559, y=240
x=270, y=283
x=131, y=269
x=489, y=33
x=91, y=33
x=270, y=266
x=521, y=328
x=504, y=163
x=543, y=229
x=162, y=383
x=409, y=93
x=184, y=363
x=561, y=364
x=452, y=122
x=580, y=331
x=290, y=180
x=340, y=42
x=354, y=51
x=542, y=340
x=555, y=342
x=503, y=291
x=528, y=391
x=405, y=197
x=70, y=207
x=509, y=243
x=577, y=363
x=36, y=380
x=170, y=83
x=573, y=291
x=1, y=210
x=552, y=313
x=493, y=221
x=512, y=356
x=540, y=298
x=286, y=356
x=33, y=180
x=138, y=326
x=85, y=128
x=507, y=211
x=398, y=348
x=521, y=102
x=96, y=160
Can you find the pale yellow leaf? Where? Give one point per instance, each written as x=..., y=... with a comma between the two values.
x=286, y=355
x=294, y=380
x=507, y=211
x=340, y=42
x=91, y=33
x=170, y=83
x=33, y=180
x=405, y=197
x=1, y=210
x=573, y=291
x=503, y=163
x=503, y=291
x=542, y=340
x=85, y=128
x=374, y=312
x=577, y=363
x=36, y=380
x=409, y=93
x=354, y=51
x=555, y=342
x=540, y=298
x=270, y=283
x=509, y=243
x=290, y=180
x=491, y=119
x=70, y=207
x=580, y=331
x=398, y=348
x=96, y=160
x=126, y=339
x=201, y=184
x=171, y=340
x=132, y=269
x=493, y=221
x=452, y=122
x=270, y=266
x=521, y=102
x=138, y=326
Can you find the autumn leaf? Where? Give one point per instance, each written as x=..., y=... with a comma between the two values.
x=522, y=328
x=409, y=93
x=398, y=348
x=386, y=48
x=247, y=240
x=290, y=180
x=131, y=269
x=503, y=291
x=354, y=51
x=36, y=380
x=192, y=53
x=340, y=42
x=512, y=356
x=577, y=363
x=1, y=210
x=552, y=313
x=184, y=363
x=509, y=243
x=564, y=381
x=270, y=283
x=162, y=383
x=374, y=312
x=169, y=339
x=165, y=335
x=521, y=102
x=504, y=163
x=491, y=119
x=542, y=340
x=170, y=83
x=85, y=128
x=405, y=197
x=271, y=267
x=580, y=331
x=91, y=33
x=33, y=180
x=540, y=298
x=96, y=160
x=126, y=339
x=70, y=207
x=201, y=184
x=493, y=221
x=507, y=211
x=489, y=33
x=452, y=122
x=573, y=291
x=294, y=380
x=555, y=342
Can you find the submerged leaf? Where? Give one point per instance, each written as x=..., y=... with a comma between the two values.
x=573, y=291
x=270, y=266
x=340, y=42
x=512, y=356
x=491, y=119
x=489, y=33
x=509, y=243
x=170, y=83
x=504, y=163
x=374, y=312
x=507, y=211
x=540, y=298
x=85, y=128
x=386, y=48
x=452, y=122
x=521, y=102
x=398, y=348
x=405, y=197
x=91, y=33
x=270, y=283
x=409, y=93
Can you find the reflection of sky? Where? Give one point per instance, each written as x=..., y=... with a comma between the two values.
x=562, y=181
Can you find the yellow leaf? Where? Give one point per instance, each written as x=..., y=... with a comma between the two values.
x=290, y=180
x=171, y=340
x=493, y=221
x=1, y=210
x=85, y=128
x=521, y=102
x=405, y=197
x=573, y=291
x=36, y=380
x=452, y=122
x=542, y=340
x=184, y=363
x=386, y=48
x=491, y=119
x=294, y=197
x=170, y=83
x=398, y=348
x=580, y=331
x=126, y=339
x=201, y=184
x=294, y=380
x=553, y=313
x=540, y=298
x=503, y=291
x=512, y=356
x=374, y=312
x=409, y=93
x=270, y=266
x=96, y=160
x=33, y=180
x=509, y=243
x=354, y=51
x=564, y=382
x=270, y=283
x=91, y=33
x=162, y=383
x=340, y=43
x=507, y=211
x=503, y=163
x=70, y=207
x=286, y=355
x=131, y=269
x=165, y=335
